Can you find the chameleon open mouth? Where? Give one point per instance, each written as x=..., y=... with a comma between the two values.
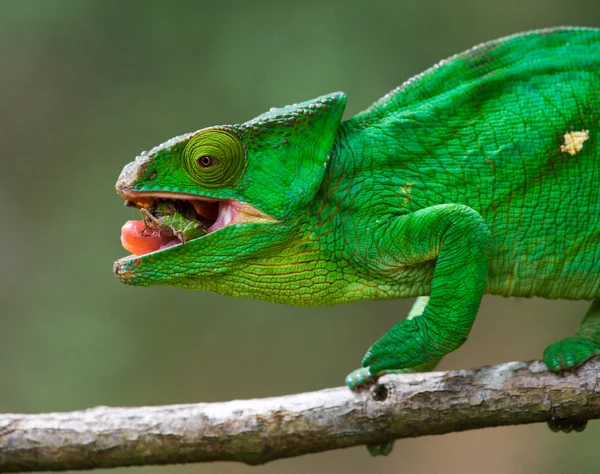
x=173, y=219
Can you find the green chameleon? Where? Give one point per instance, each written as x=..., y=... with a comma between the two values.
x=479, y=175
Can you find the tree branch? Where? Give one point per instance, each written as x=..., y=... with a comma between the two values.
x=261, y=430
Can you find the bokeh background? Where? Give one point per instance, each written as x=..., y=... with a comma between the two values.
x=87, y=84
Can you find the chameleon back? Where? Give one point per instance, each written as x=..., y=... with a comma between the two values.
x=508, y=128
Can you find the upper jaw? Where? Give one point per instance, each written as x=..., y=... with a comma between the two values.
x=223, y=211
x=128, y=177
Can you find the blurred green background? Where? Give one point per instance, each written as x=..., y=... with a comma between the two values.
x=86, y=85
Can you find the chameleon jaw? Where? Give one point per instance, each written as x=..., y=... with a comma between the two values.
x=212, y=214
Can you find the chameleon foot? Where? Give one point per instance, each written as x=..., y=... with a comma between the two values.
x=570, y=353
x=356, y=380
x=382, y=449
x=405, y=348
x=359, y=378
x=363, y=377
x=566, y=426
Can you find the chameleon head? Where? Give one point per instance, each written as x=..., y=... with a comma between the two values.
x=246, y=184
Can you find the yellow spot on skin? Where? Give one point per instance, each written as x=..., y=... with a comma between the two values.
x=574, y=142
x=406, y=190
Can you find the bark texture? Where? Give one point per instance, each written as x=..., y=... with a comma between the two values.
x=261, y=430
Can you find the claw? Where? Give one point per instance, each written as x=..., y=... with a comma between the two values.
x=566, y=426
x=359, y=378
x=382, y=449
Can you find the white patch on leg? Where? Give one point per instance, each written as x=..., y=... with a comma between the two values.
x=574, y=142
x=418, y=307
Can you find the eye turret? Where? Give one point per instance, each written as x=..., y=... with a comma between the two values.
x=215, y=158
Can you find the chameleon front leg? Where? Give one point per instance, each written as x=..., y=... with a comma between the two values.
x=459, y=238
x=359, y=376
x=573, y=351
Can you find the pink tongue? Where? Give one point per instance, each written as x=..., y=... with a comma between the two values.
x=140, y=240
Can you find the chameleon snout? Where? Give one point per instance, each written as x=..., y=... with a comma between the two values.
x=122, y=270
x=131, y=174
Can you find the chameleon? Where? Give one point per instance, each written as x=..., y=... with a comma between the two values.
x=479, y=175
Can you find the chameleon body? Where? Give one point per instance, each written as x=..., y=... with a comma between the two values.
x=480, y=175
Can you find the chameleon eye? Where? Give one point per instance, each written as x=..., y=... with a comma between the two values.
x=206, y=161
x=214, y=157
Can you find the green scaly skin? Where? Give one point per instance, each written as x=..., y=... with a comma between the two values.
x=460, y=182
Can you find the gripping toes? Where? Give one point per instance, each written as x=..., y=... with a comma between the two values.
x=566, y=426
x=380, y=449
x=359, y=378
x=405, y=345
x=570, y=353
